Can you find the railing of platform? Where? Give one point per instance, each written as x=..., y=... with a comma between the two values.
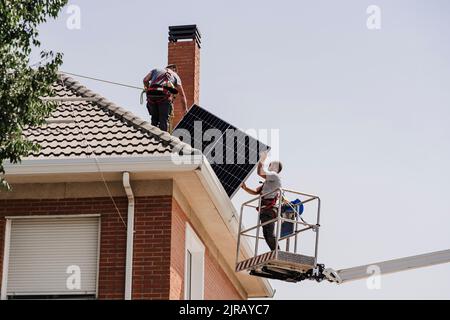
x=300, y=225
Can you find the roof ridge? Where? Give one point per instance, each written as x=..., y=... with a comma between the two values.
x=83, y=91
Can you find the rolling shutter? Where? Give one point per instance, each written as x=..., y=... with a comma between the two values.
x=46, y=252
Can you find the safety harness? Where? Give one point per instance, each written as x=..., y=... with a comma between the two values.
x=268, y=203
x=161, y=88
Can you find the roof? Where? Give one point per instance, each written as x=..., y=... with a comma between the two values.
x=84, y=124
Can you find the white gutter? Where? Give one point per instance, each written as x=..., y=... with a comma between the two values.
x=130, y=237
x=119, y=164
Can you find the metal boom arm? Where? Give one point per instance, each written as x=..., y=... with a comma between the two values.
x=396, y=265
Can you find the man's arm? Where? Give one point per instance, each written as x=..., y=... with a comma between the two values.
x=251, y=191
x=183, y=97
x=260, y=170
x=147, y=79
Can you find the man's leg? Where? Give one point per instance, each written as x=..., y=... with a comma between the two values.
x=152, y=108
x=165, y=110
x=268, y=229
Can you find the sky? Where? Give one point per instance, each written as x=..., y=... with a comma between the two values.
x=362, y=113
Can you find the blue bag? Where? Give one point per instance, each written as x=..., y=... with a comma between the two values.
x=294, y=209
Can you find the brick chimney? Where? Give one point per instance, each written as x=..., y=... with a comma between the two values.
x=184, y=51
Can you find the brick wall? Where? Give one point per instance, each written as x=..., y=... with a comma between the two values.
x=186, y=55
x=217, y=284
x=152, y=240
x=152, y=248
x=112, y=241
x=177, y=248
x=158, y=268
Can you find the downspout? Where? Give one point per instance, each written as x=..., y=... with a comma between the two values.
x=130, y=237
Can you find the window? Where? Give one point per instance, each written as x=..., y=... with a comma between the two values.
x=194, y=266
x=51, y=257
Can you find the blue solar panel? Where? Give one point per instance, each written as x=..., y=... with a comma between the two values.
x=232, y=153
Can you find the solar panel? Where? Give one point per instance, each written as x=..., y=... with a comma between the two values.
x=232, y=153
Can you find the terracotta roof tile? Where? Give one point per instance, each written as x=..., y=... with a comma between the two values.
x=98, y=127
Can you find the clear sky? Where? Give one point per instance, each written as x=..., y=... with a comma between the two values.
x=363, y=114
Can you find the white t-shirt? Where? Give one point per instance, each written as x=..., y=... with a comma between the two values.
x=272, y=183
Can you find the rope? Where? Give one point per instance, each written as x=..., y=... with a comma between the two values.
x=172, y=115
x=142, y=97
x=102, y=80
x=91, y=152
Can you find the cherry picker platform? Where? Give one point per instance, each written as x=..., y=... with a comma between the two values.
x=289, y=265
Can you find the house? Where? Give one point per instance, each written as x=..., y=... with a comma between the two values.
x=102, y=211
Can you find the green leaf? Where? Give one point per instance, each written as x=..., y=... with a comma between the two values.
x=21, y=86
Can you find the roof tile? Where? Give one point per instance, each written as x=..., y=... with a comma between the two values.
x=96, y=128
